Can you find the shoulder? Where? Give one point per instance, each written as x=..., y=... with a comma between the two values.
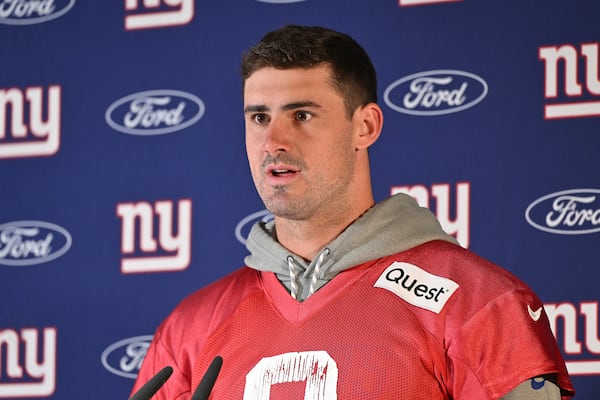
x=464, y=267
x=482, y=310
x=181, y=336
x=206, y=309
x=219, y=296
x=448, y=285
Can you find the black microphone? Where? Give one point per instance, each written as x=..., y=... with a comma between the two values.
x=208, y=380
x=152, y=386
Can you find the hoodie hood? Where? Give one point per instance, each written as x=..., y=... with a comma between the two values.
x=391, y=226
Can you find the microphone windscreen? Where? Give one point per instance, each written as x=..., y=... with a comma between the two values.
x=208, y=380
x=152, y=386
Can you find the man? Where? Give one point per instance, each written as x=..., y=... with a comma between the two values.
x=342, y=298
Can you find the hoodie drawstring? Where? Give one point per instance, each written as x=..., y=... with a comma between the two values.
x=314, y=279
x=293, y=277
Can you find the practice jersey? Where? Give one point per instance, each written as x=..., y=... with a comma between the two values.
x=431, y=323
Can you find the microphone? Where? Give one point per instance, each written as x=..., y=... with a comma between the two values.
x=208, y=380
x=152, y=386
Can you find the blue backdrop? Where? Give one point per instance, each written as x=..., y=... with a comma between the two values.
x=125, y=185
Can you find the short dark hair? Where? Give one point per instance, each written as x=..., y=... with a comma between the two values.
x=295, y=46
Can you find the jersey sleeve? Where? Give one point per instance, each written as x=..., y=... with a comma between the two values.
x=506, y=342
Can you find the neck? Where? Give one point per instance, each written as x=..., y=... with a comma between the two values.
x=307, y=238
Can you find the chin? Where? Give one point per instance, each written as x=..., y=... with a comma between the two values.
x=284, y=209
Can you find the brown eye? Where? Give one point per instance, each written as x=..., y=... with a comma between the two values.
x=260, y=119
x=303, y=116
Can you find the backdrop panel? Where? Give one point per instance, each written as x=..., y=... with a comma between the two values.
x=125, y=186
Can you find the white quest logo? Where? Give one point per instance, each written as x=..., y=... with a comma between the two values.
x=32, y=242
x=417, y=286
x=435, y=92
x=154, y=112
x=124, y=358
x=569, y=212
x=29, y=12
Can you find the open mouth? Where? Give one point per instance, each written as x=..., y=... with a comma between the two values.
x=282, y=172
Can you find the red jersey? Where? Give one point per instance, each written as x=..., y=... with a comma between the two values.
x=433, y=322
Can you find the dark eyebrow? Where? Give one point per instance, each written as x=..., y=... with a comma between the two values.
x=290, y=106
x=300, y=104
x=257, y=108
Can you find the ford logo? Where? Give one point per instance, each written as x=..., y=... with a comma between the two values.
x=435, y=92
x=570, y=212
x=242, y=229
x=124, y=358
x=154, y=112
x=32, y=242
x=29, y=12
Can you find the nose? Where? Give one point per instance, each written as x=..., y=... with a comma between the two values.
x=277, y=137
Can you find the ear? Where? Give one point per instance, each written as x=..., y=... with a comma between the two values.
x=368, y=120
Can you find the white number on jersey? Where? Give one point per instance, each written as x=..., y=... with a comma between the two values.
x=316, y=368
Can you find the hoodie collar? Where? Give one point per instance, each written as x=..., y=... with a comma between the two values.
x=393, y=225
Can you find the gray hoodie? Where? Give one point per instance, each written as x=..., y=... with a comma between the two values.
x=391, y=226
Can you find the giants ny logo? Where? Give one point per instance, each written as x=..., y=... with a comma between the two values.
x=577, y=98
x=25, y=375
x=459, y=227
x=578, y=335
x=157, y=13
x=24, y=132
x=151, y=222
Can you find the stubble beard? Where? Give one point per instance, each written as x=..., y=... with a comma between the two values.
x=329, y=199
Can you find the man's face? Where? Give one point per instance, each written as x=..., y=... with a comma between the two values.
x=299, y=142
